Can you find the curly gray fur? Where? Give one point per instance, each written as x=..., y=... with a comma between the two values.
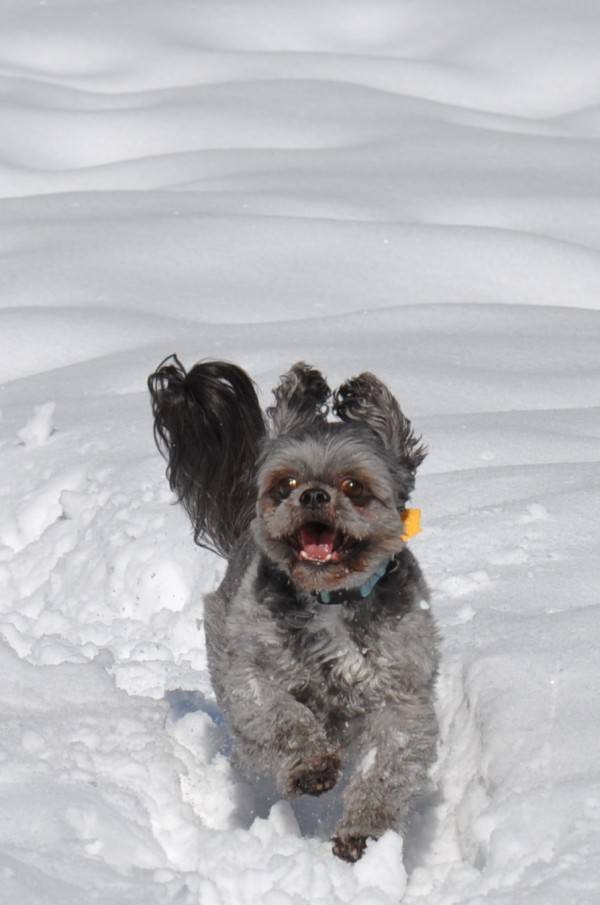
x=311, y=689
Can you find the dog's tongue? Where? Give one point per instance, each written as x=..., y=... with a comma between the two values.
x=317, y=541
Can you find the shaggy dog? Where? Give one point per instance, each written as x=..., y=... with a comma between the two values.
x=321, y=646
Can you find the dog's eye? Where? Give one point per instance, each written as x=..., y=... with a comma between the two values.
x=285, y=487
x=352, y=488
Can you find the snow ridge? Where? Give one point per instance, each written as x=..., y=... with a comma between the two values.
x=408, y=188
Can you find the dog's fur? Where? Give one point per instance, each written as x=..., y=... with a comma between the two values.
x=311, y=677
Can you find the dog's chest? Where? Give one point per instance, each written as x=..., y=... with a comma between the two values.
x=340, y=656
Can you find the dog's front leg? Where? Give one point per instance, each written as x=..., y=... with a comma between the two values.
x=278, y=733
x=395, y=749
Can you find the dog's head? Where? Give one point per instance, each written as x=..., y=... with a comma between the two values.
x=331, y=495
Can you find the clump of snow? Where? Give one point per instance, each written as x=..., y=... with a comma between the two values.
x=381, y=868
x=40, y=426
x=410, y=188
x=368, y=760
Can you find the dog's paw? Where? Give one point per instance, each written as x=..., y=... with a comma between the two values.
x=314, y=775
x=349, y=848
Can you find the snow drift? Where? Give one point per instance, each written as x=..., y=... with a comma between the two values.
x=410, y=188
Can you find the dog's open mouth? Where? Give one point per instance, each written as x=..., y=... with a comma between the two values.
x=319, y=543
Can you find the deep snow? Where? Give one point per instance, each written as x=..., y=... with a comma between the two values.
x=408, y=187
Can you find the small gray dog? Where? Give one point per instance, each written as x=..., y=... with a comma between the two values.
x=321, y=646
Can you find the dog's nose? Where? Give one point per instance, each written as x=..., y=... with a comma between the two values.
x=314, y=497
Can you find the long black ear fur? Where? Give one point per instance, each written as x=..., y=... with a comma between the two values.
x=209, y=426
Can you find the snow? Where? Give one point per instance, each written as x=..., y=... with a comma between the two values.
x=38, y=429
x=410, y=188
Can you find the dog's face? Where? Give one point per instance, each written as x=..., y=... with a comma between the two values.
x=328, y=506
x=326, y=496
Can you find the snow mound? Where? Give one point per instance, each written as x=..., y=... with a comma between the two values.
x=40, y=426
x=408, y=188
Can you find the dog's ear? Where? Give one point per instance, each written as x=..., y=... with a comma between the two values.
x=209, y=427
x=366, y=399
x=300, y=400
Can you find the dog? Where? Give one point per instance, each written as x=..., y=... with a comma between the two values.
x=321, y=646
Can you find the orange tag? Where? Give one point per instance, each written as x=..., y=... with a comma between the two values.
x=411, y=519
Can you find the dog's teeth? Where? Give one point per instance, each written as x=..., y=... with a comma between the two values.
x=318, y=562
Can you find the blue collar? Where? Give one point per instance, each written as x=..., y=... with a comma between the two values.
x=345, y=595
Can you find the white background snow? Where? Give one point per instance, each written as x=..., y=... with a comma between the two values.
x=406, y=186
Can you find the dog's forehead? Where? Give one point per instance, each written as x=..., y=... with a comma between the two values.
x=326, y=456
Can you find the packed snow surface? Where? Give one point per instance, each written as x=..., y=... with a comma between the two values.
x=406, y=186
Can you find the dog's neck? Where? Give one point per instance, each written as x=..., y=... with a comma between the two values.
x=349, y=595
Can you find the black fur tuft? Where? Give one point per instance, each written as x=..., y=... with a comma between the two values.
x=209, y=427
x=300, y=400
